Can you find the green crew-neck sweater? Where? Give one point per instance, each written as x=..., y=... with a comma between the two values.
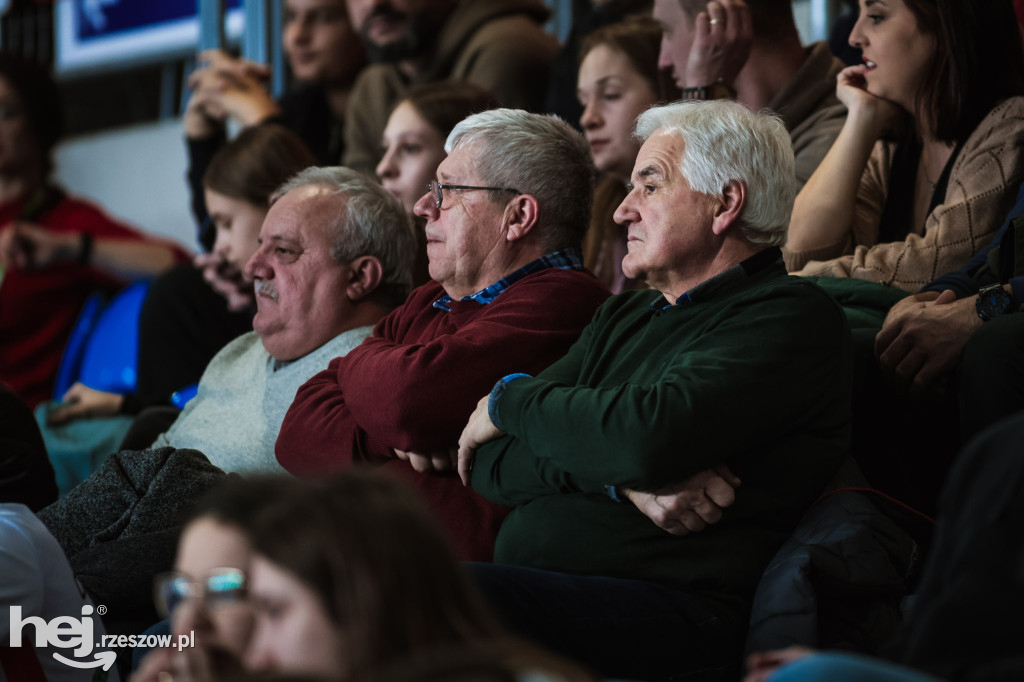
x=754, y=373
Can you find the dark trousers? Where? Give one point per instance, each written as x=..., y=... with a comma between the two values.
x=991, y=377
x=966, y=621
x=619, y=628
x=906, y=447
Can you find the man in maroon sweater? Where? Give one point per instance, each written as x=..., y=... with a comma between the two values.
x=505, y=217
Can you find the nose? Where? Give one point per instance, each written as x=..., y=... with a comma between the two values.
x=387, y=168
x=591, y=118
x=190, y=616
x=296, y=32
x=857, y=35
x=220, y=245
x=664, y=54
x=256, y=267
x=425, y=206
x=626, y=213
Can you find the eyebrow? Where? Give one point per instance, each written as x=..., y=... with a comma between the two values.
x=648, y=171
x=284, y=239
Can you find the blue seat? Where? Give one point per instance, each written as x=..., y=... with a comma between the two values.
x=102, y=352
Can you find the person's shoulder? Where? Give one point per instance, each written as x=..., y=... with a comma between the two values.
x=493, y=23
x=1005, y=118
x=557, y=282
x=83, y=215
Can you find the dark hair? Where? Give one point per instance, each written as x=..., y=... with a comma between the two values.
x=444, y=104
x=639, y=39
x=38, y=93
x=257, y=162
x=978, y=61
x=382, y=568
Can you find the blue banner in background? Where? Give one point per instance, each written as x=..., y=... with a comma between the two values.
x=105, y=18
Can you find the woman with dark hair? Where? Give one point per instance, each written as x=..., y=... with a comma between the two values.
x=55, y=250
x=205, y=596
x=618, y=79
x=347, y=578
x=930, y=158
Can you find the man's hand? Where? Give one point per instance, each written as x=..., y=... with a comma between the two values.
x=29, y=246
x=226, y=280
x=918, y=347
x=692, y=505
x=80, y=402
x=435, y=462
x=478, y=431
x=762, y=664
x=722, y=37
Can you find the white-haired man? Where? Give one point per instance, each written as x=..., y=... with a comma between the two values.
x=504, y=221
x=728, y=361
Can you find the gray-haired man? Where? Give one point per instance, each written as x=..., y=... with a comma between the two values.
x=728, y=361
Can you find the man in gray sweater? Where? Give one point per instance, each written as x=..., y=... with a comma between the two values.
x=335, y=256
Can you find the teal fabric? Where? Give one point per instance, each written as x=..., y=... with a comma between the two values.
x=865, y=303
x=78, y=448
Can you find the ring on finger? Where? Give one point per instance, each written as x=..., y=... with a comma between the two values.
x=715, y=21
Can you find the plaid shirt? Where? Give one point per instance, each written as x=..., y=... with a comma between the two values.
x=566, y=259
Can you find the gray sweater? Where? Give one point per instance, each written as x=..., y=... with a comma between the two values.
x=243, y=397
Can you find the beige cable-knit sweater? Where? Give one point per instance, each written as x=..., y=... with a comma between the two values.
x=983, y=185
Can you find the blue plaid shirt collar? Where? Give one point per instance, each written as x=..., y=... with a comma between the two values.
x=566, y=259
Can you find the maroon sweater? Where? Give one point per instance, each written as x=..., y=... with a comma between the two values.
x=414, y=383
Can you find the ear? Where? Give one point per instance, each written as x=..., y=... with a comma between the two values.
x=730, y=207
x=366, y=273
x=520, y=217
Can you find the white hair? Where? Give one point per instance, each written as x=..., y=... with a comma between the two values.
x=535, y=154
x=724, y=141
x=371, y=223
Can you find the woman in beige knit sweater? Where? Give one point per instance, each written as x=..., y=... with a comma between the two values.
x=932, y=152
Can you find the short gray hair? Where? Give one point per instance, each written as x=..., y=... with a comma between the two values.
x=372, y=223
x=725, y=141
x=539, y=155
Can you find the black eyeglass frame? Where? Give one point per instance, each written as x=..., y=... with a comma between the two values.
x=439, y=194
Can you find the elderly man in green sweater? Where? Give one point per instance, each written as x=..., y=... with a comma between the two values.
x=727, y=360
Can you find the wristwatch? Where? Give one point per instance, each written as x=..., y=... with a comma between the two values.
x=993, y=301
x=716, y=90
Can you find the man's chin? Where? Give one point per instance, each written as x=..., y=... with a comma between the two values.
x=398, y=48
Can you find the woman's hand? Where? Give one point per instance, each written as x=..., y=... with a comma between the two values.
x=227, y=281
x=80, y=402
x=880, y=116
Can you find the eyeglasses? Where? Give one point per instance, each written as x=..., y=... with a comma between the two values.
x=222, y=586
x=435, y=188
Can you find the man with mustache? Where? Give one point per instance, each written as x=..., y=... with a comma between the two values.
x=335, y=256
x=499, y=45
